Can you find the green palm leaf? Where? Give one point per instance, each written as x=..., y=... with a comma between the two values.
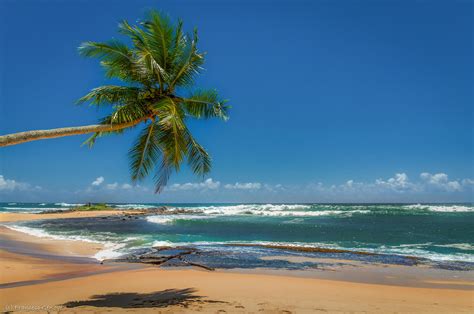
x=172, y=131
x=111, y=94
x=117, y=59
x=198, y=158
x=145, y=152
x=206, y=104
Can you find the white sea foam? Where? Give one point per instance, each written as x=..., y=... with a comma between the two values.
x=137, y=206
x=209, y=214
x=168, y=219
x=459, y=246
x=160, y=219
x=272, y=210
x=31, y=210
x=68, y=204
x=164, y=243
x=238, y=209
x=420, y=252
x=110, y=249
x=314, y=213
x=44, y=234
x=442, y=208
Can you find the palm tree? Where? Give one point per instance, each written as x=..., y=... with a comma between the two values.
x=162, y=61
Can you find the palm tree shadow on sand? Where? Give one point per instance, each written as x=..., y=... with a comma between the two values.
x=160, y=299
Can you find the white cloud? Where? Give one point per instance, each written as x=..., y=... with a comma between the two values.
x=467, y=182
x=208, y=184
x=399, y=187
x=98, y=181
x=438, y=178
x=112, y=186
x=11, y=185
x=98, y=187
x=273, y=188
x=243, y=186
x=441, y=181
x=6, y=184
x=399, y=182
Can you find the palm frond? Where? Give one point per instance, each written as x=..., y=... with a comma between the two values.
x=206, y=104
x=122, y=114
x=179, y=43
x=111, y=94
x=151, y=45
x=145, y=152
x=90, y=142
x=151, y=66
x=116, y=58
x=162, y=175
x=172, y=130
x=198, y=158
x=135, y=33
x=126, y=113
x=187, y=65
x=159, y=36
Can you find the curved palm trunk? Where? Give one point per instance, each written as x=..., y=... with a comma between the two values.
x=28, y=136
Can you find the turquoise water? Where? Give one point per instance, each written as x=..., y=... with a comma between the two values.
x=439, y=232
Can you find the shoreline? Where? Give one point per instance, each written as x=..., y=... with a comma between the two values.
x=372, y=256
x=62, y=274
x=14, y=217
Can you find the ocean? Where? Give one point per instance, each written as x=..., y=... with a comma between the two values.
x=440, y=234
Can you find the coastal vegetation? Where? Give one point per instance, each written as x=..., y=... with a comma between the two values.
x=81, y=208
x=92, y=207
x=156, y=70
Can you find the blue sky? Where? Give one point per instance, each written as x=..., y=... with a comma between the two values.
x=332, y=101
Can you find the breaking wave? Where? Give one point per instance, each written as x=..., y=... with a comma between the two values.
x=134, y=206
x=441, y=208
x=252, y=210
x=31, y=210
x=68, y=204
x=168, y=219
x=110, y=249
x=273, y=210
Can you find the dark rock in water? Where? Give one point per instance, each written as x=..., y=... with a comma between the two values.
x=162, y=255
x=131, y=212
x=207, y=259
x=56, y=211
x=168, y=211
